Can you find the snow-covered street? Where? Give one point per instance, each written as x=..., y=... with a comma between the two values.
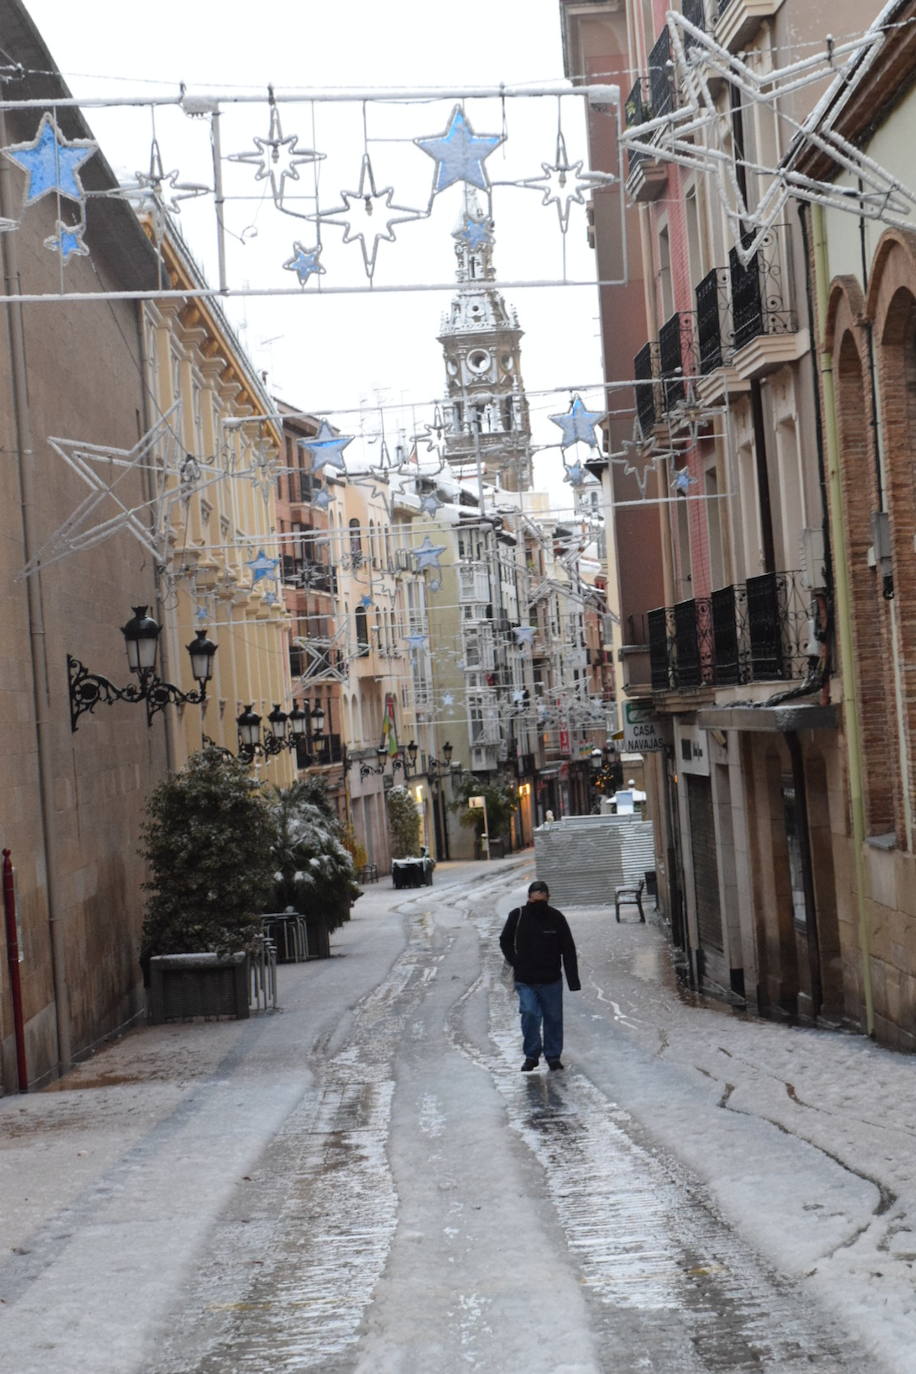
x=364, y=1180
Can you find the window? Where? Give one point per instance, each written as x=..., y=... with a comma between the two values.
x=362, y=632
x=356, y=545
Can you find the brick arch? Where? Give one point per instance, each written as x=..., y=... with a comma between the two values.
x=894, y=300
x=870, y=622
x=893, y=266
x=845, y=310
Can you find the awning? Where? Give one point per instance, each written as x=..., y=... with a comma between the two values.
x=793, y=715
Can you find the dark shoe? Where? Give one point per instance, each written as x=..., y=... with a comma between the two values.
x=528, y=1065
x=554, y=1064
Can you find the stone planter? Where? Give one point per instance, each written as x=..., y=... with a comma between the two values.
x=187, y=985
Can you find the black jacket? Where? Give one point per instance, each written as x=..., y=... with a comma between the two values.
x=534, y=940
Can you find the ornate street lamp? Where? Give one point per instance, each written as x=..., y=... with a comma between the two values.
x=141, y=640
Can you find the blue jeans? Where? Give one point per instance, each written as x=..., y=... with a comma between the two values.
x=541, y=1002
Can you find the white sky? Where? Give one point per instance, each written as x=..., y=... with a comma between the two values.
x=337, y=352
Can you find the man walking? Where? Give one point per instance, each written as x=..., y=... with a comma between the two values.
x=534, y=940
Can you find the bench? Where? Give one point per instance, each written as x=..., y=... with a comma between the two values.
x=629, y=894
x=368, y=873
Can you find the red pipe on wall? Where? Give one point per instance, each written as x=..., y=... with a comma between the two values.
x=14, y=957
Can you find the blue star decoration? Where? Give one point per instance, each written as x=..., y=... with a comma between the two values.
x=575, y=474
x=448, y=699
x=460, y=153
x=427, y=555
x=416, y=641
x=578, y=424
x=327, y=447
x=474, y=232
x=262, y=566
x=524, y=634
x=364, y=215
x=68, y=241
x=682, y=481
x=322, y=499
x=51, y=163
x=365, y=601
x=430, y=503
x=201, y=613
x=304, y=263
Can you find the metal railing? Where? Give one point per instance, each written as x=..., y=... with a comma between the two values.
x=753, y=631
x=713, y=310
x=637, y=110
x=675, y=353
x=661, y=84
x=759, y=305
x=644, y=370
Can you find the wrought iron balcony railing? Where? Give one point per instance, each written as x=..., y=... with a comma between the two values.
x=675, y=357
x=759, y=304
x=645, y=373
x=637, y=110
x=661, y=82
x=713, y=332
x=695, y=11
x=750, y=632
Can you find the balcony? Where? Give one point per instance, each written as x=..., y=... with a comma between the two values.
x=675, y=358
x=645, y=372
x=661, y=85
x=648, y=176
x=473, y=583
x=738, y=20
x=754, y=631
x=765, y=328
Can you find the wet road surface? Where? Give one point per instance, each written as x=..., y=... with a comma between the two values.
x=417, y=1204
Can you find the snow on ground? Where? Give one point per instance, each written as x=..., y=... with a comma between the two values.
x=802, y=1139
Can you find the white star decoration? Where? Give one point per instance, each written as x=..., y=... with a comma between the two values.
x=161, y=187
x=698, y=135
x=276, y=158
x=563, y=182
x=364, y=215
x=460, y=153
x=524, y=634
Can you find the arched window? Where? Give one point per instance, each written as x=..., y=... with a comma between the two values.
x=356, y=543
x=362, y=632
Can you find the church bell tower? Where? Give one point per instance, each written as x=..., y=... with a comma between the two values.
x=486, y=418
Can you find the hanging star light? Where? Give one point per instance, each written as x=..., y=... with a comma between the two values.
x=327, y=447
x=68, y=241
x=277, y=158
x=51, y=162
x=564, y=182
x=459, y=153
x=448, y=699
x=575, y=474
x=578, y=424
x=524, y=634
x=365, y=218
x=417, y=641
x=430, y=503
x=322, y=499
x=427, y=555
x=365, y=601
x=304, y=262
x=161, y=188
x=262, y=566
x=434, y=584
x=474, y=232
x=682, y=481
x=201, y=613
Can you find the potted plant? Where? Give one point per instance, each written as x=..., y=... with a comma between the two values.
x=208, y=843
x=313, y=868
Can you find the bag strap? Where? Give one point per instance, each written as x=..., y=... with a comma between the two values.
x=517, y=913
